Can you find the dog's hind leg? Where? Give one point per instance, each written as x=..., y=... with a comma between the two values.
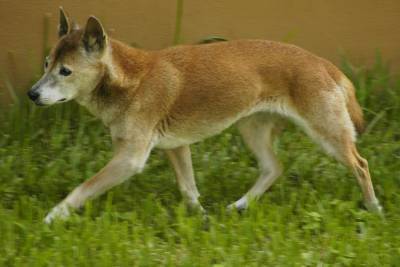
x=257, y=133
x=181, y=160
x=328, y=122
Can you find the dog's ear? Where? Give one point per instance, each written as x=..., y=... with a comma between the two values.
x=94, y=38
x=64, y=27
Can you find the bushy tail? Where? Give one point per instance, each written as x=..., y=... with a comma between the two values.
x=353, y=106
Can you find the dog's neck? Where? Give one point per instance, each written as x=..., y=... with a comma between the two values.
x=123, y=68
x=125, y=64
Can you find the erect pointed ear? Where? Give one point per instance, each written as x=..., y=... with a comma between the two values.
x=94, y=38
x=64, y=27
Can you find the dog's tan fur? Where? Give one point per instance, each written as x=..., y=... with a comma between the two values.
x=177, y=96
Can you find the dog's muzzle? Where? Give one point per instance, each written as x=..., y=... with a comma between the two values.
x=33, y=95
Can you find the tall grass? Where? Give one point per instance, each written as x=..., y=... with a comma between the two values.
x=312, y=216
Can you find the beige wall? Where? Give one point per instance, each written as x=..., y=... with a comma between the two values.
x=355, y=28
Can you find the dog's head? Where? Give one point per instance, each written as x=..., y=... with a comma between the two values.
x=74, y=66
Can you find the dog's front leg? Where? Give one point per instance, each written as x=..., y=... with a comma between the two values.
x=181, y=160
x=129, y=159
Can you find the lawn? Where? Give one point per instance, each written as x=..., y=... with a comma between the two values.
x=312, y=216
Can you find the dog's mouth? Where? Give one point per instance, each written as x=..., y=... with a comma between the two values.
x=39, y=103
x=44, y=103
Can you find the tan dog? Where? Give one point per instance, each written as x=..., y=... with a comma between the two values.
x=177, y=96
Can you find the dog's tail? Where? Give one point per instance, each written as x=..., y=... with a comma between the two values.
x=212, y=39
x=353, y=107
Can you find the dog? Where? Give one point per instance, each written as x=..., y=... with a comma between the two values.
x=174, y=97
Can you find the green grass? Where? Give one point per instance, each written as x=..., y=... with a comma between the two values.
x=313, y=215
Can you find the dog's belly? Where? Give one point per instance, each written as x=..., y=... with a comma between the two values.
x=171, y=141
x=191, y=132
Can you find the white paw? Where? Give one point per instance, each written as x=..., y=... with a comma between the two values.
x=241, y=204
x=61, y=211
x=375, y=207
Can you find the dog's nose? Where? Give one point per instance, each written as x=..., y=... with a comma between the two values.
x=33, y=95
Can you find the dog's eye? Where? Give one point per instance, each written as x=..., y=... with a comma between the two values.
x=65, y=72
x=46, y=63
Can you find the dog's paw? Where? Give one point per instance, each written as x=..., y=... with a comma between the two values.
x=375, y=207
x=239, y=205
x=196, y=208
x=61, y=211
